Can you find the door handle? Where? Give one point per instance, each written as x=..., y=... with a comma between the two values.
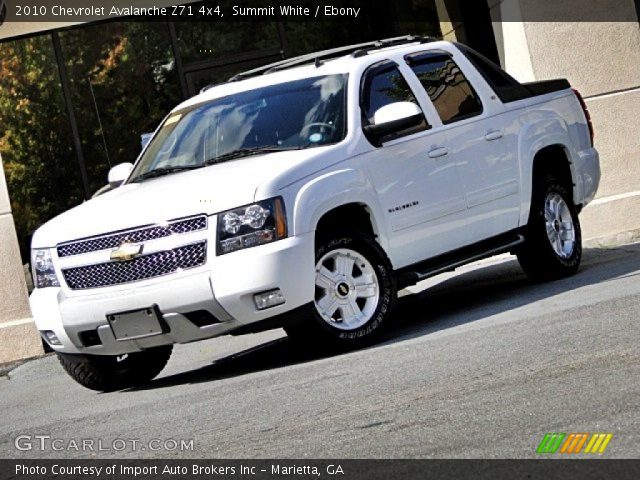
x=493, y=135
x=438, y=152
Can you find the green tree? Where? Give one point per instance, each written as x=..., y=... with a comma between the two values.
x=35, y=142
x=122, y=80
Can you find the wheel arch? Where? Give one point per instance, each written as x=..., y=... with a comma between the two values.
x=356, y=215
x=554, y=159
x=339, y=199
x=553, y=156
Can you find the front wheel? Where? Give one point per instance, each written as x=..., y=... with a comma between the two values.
x=107, y=373
x=553, y=243
x=354, y=293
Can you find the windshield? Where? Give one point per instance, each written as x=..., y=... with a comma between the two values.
x=288, y=116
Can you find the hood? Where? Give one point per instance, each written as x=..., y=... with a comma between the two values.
x=207, y=190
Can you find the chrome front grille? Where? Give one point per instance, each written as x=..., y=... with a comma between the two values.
x=137, y=235
x=141, y=268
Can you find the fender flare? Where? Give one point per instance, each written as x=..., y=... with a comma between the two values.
x=534, y=137
x=334, y=189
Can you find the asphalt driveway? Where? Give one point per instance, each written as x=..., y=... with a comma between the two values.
x=478, y=364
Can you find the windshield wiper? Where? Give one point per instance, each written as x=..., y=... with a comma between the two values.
x=246, y=152
x=242, y=152
x=159, y=172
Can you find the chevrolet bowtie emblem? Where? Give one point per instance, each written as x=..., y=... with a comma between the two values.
x=126, y=251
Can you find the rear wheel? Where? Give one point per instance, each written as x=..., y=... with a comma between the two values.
x=553, y=244
x=107, y=373
x=355, y=293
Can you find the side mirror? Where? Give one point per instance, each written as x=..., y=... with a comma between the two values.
x=145, y=138
x=393, y=120
x=119, y=174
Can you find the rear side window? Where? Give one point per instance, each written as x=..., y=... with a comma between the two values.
x=451, y=93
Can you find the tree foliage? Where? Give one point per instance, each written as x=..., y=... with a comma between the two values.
x=122, y=81
x=35, y=143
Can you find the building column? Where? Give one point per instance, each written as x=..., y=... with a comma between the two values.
x=601, y=60
x=468, y=23
x=19, y=338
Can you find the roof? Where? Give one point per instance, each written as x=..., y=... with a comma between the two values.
x=317, y=58
x=334, y=61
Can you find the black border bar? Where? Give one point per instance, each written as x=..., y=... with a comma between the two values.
x=583, y=469
x=316, y=10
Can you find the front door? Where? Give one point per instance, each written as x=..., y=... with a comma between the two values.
x=415, y=178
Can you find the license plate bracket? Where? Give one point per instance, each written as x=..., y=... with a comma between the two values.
x=135, y=324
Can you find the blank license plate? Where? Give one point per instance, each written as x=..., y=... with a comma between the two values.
x=136, y=323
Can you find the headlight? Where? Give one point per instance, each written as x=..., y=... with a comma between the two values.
x=252, y=225
x=44, y=275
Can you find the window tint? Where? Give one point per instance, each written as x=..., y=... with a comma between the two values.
x=383, y=85
x=451, y=93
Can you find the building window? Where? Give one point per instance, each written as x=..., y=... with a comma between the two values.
x=206, y=42
x=123, y=82
x=35, y=140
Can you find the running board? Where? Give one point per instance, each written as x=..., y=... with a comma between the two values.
x=448, y=262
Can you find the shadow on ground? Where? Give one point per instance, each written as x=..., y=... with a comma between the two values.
x=465, y=298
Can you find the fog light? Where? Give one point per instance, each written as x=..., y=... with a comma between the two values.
x=268, y=299
x=51, y=337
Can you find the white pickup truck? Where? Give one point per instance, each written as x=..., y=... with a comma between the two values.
x=304, y=195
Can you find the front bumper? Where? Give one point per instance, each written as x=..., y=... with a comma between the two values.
x=224, y=287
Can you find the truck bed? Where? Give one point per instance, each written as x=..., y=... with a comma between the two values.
x=545, y=86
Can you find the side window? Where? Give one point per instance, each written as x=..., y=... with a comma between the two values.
x=451, y=93
x=382, y=85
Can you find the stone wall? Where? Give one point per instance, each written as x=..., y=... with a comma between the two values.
x=601, y=60
x=18, y=336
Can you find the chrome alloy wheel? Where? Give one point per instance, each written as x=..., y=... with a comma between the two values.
x=559, y=224
x=347, y=289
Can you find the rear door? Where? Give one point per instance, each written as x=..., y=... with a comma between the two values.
x=478, y=135
x=415, y=178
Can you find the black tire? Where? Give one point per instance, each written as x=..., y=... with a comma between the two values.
x=537, y=256
x=106, y=373
x=316, y=332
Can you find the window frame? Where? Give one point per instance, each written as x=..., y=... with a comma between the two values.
x=368, y=74
x=424, y=56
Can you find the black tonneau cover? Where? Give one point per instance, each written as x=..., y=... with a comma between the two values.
x=532, y=89
x=547, y=86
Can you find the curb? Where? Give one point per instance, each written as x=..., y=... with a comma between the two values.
x=6, y=368
x=613, y=240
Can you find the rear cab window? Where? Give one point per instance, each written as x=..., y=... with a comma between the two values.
x=453, y=97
